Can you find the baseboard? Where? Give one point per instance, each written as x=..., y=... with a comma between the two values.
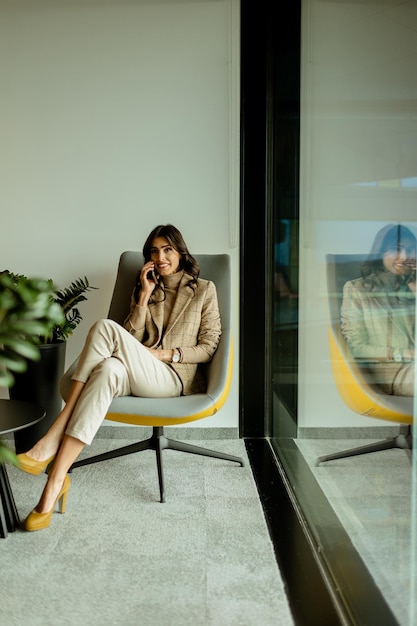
x=368, y=432
x=175, y=432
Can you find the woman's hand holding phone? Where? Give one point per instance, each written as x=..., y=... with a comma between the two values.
x=147, y=275
x=151, y=276
x=148, y=282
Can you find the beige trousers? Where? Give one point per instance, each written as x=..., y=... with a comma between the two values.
x=113, y=363
x=397, y=379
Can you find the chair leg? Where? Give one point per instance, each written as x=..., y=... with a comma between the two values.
x=152, y=443
x=404, y=442
x=172, y=444
x=157, y=442
x=147, y=444
x=158, y=451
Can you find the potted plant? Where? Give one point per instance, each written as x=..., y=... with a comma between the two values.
x=27, y=311
x=40, y=382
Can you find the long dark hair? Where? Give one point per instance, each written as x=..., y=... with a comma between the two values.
x=391, y=237
x=176, y=240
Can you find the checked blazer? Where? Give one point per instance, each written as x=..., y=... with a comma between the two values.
x=194, y=326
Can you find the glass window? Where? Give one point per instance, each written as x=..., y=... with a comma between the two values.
x=343, y=333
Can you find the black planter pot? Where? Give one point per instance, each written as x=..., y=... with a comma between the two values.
x=40, y=384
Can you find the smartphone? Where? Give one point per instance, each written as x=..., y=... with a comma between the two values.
x=151, y=276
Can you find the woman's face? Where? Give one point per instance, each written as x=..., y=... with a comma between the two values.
x=165, y=257
x=402, y=260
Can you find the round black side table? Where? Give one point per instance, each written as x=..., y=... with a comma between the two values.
x=14, y=415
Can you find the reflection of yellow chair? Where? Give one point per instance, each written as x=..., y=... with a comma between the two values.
x=353, y=382
x=160, y=412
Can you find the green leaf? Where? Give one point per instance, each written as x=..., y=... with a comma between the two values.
x=7, y=455
x=29, y=327
x=36, y=300
x=6, y=378
x=21, y=346
x=13, y=362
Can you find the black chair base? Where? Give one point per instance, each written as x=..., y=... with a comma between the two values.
x=158, y=442
x=9, y=518
x=405, y=442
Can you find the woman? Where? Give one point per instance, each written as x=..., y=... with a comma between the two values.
x=173, y=326
x=378, y=311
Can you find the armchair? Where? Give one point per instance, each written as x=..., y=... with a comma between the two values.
x=161, y=412
x=353, y=382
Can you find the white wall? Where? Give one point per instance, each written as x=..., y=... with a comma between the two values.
x=358, y=161
x=117, y=116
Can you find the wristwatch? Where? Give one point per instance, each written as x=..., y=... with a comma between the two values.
x=176, y=356
x=398, y=357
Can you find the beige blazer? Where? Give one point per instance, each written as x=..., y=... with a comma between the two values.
x=376, y=319
x=194, y=326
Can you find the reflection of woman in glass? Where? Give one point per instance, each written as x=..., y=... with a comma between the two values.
x=378, y=311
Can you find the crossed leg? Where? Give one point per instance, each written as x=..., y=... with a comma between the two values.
x=66, y=449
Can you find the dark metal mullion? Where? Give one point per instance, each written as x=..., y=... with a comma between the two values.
x=269, y=223
x=253, y=261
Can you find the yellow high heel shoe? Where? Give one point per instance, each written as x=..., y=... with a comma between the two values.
x=38, y=521
x=30, y=466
